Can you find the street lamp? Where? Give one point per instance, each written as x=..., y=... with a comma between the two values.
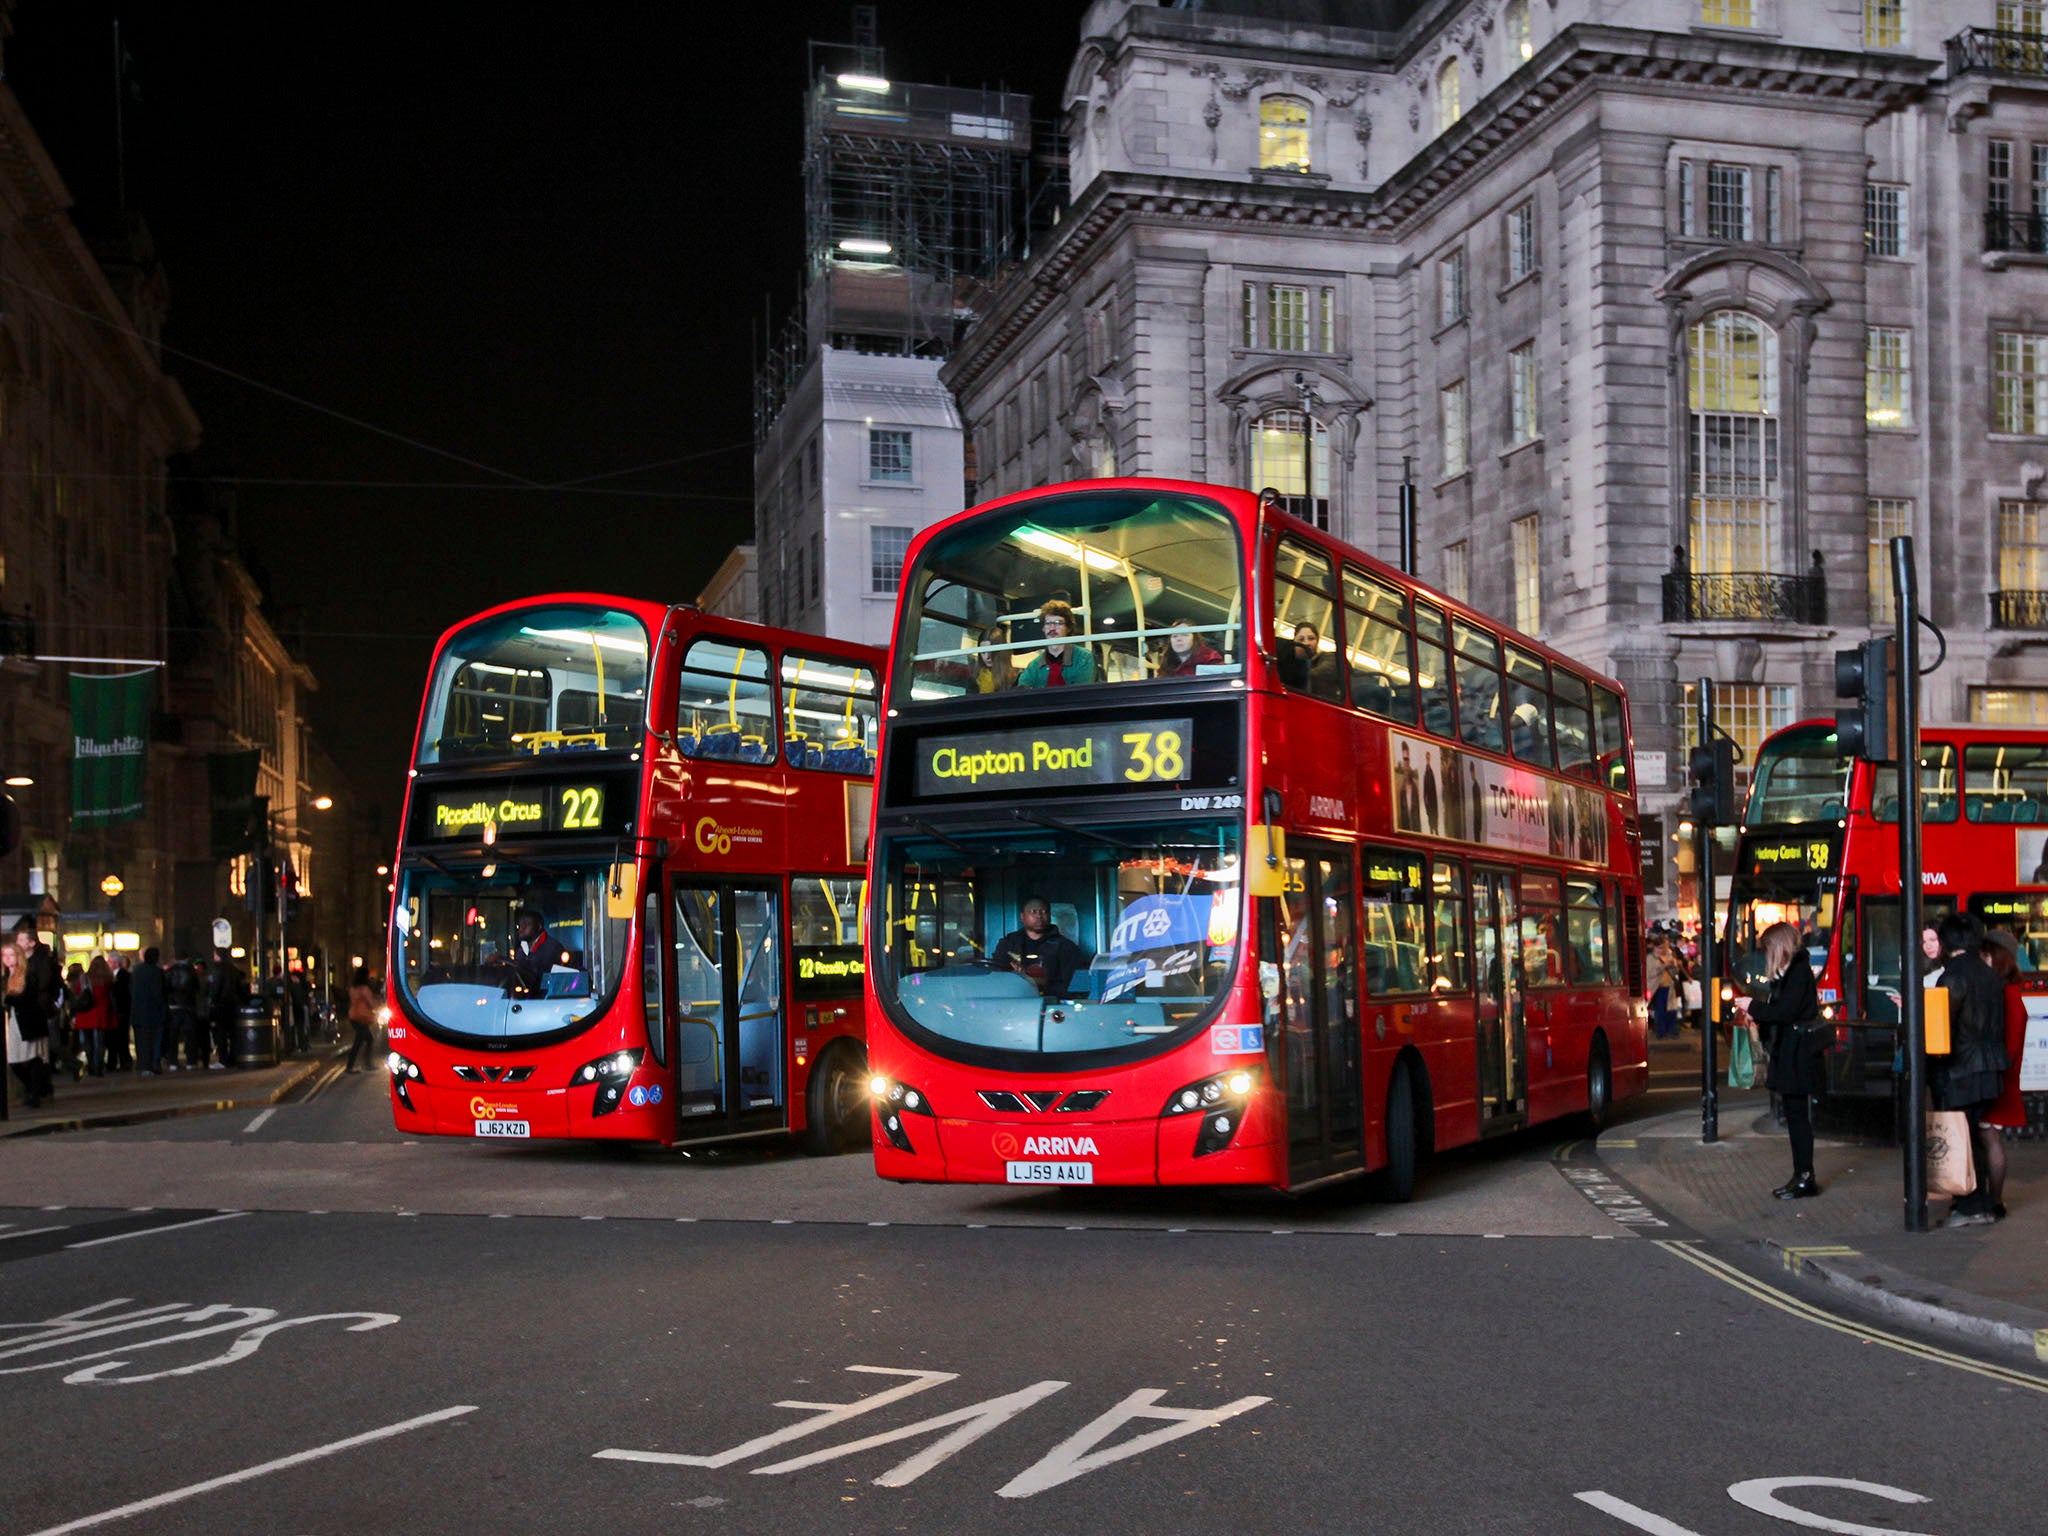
x=323, y=802
x=19, y=781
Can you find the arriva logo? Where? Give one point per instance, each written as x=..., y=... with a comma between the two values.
x=1061, y=1146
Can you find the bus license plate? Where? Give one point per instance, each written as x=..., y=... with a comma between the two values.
x=1051, y=1173
x=502, y=1128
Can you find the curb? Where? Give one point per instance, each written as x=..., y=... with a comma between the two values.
x=115, y=1118
x=2020, y=1333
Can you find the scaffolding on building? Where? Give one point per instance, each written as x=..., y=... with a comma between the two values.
x=912, y=193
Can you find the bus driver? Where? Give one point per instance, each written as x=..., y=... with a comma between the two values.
x=1038, y=951
x=536, y=953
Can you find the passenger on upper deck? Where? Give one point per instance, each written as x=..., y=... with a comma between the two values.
x=1038, y=951
x=1186, y=653
x=1303, y=665
x=536, y=953
x=1060, y=663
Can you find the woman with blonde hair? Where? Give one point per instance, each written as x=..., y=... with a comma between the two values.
x=1788, y=1008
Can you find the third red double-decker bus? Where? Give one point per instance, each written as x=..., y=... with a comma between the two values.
x=1819, y=848
x=627, y=897
x=1211, y=851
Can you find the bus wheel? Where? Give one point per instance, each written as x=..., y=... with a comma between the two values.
x=1395, y=1183
x=1599, y=1088
x=836, y=1102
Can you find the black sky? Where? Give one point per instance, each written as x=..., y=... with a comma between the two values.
x=537, y=237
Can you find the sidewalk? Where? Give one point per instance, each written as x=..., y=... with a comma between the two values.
x=1987, y=1283
x=127, y=1098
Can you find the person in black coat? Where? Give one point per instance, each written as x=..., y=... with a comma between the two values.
x=1972, y=1074
x=1790, y=1003
x=146, y=1012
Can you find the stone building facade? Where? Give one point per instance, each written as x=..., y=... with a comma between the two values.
x=1672, y=310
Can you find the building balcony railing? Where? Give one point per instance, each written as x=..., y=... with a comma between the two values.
x=1987, y=51
x=2019, y=610
x=2005, y=230
x=1752, y=596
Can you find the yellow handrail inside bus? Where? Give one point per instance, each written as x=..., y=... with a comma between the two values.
x=796, y=679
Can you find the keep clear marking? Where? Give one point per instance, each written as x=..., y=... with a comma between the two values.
x=1076, y=1456
x=1760, y=1494
x=1606, y=1193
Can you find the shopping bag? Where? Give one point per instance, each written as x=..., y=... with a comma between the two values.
x=1741, y=1061
x=1949, y=1170
x=1694, y=999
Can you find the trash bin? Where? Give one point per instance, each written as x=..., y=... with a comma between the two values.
x=255, y=1035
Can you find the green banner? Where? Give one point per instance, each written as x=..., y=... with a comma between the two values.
x=109, y=743
x=231, y=793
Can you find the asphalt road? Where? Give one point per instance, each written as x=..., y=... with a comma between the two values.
x=428, y=1337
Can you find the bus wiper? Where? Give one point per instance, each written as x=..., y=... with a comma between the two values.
x=933, y=832
x=1057, y=825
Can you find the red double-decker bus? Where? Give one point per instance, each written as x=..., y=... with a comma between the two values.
x=1819, y=848
x=627, y=898
x=1210, y=851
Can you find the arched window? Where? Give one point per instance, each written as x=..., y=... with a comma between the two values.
x=1449, y=106
x=1514, y=23
x=1283, y=133
x=1732, y=427
x=1278, y=444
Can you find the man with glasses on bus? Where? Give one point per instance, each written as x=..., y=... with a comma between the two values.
x=1038, y=951
x=1060, y=663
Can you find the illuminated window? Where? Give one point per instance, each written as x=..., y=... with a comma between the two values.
x=887, y=547
x=1728, y=204
x=1448, y=106
x=1884, y=220
x=1884, y=23
x=1278, y=447
x=1747, y=711
x=1891, y=517
x=1528, y=560
x=1451, y=422
x=2009, y=706
x=1450, y=288
x=1888, y=377
x=1288, y=317
x=1522, y=393
x=889, y=454
x=1732, y=390
x=2023, y=546
x=2026, y=16
x=1283, y=134
x=2020, y=374
x=1521, y=234
x=1728, y=13
x=1515, y=24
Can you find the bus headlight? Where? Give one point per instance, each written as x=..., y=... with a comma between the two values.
x=894, y=1100
x=404, y=1072
x=611, y=1072
x=1220, y=1101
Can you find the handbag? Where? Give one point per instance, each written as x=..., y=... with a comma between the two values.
x=1950, y=1170
x=1741, y=1061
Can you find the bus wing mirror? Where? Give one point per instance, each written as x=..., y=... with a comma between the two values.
x=1266, y=861
x=622, y=895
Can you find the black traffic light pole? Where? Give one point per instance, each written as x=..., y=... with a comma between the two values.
x=1905, y=747
x=1703, y=865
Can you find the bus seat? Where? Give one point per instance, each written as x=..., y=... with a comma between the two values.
x=2000, y=810
x=688, y=743
x=1375, y=694
x=756, y=749
x=1888, y=808
x=848, y=757
x=1832, y=809
x=720, y=741
x=802, y=752
x=2030, y=810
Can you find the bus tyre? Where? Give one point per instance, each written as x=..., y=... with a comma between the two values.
x=836, y=1113
x=1599, y=1087
x=1395, y=1183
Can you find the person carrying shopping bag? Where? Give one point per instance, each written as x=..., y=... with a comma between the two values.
x=1789, y=1009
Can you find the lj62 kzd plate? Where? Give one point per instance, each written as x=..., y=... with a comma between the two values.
x=503, y=1128
x=1050, y=1173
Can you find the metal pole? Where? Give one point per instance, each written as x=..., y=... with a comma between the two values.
x=1308, y=449
x=1407, y=504
x=1905, y=748
x=1710, y=985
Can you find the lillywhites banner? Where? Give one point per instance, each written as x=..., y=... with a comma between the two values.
x=109, y=742
x=231, y=793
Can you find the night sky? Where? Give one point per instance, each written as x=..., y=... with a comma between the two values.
x=535, y=240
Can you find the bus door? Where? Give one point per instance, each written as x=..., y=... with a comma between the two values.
x=731, y=1028
x=1318, y=952
x=1496, y=952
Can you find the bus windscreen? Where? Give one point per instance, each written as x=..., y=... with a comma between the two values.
x=537, y=681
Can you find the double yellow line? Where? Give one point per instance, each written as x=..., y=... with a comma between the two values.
x=1770, y=1295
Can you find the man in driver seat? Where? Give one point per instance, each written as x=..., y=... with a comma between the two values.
x=1038, y=951
x=535, y=954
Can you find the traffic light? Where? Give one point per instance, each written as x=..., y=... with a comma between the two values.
x=287, y=891
x=1867, y=728
x=1710, y=769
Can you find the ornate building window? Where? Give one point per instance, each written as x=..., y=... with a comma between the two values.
x=1888, y=377
x=1522, y=416
x=1283, y=133
x=1732, y=419
x=2020, y=377
x=1514, y=23
x=1884, y=23
x=1450, y=288
x=1451, y=425
x=1891, y=517
x=1527, y=550
x=1449, y=105
x=1279, y=442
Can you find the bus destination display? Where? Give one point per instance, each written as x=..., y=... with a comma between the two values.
x=1790, y=855
x=576, y=807
x=1057, y=756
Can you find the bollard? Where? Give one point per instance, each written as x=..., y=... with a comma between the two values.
x=255, y=1035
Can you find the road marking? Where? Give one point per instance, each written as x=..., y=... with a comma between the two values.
x=1760, y=1494
x=247, y=1474
x=1629, y=1514
x=32, y=1232
x=122, y=1237
x=1722, y=1270
x=257, y=1124
x=1608, y=1141
x=1610, y=1197
x=1793, y=1256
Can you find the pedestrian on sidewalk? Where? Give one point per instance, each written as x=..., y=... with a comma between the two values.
x=181, y=1019
x=92, y=1010
x=1666, y=983
x=2007, y=1112
x=362, y=1019
x=225, y=995
x=120, y=1049
x=1972, y=1075
x=146, y=1013
x=1788, y=1008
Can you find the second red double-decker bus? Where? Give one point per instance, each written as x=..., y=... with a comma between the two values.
x=1819, y=848
x=1211, y=851
x=627, y=897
